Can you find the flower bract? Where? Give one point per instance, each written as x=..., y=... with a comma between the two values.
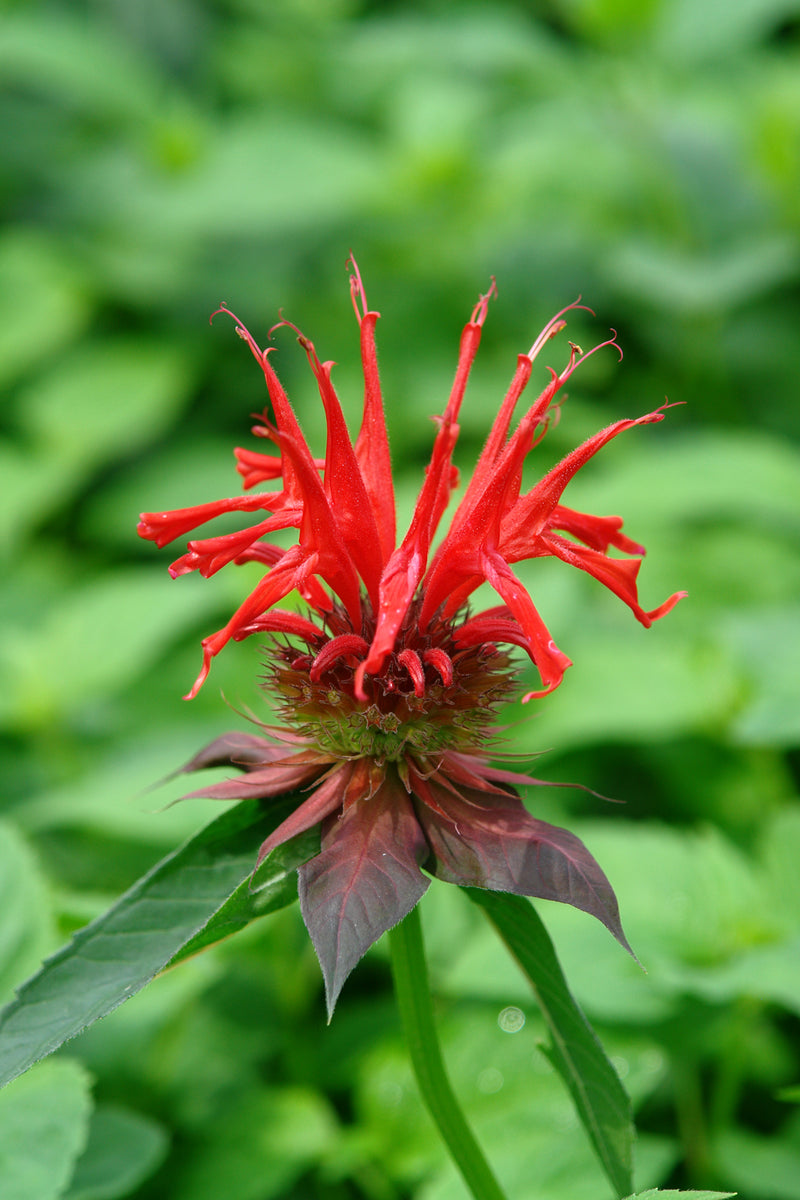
x=387, y=684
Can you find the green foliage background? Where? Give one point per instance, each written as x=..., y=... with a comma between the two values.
x=159, y=157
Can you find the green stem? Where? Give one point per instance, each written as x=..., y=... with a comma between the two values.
x=412, y=989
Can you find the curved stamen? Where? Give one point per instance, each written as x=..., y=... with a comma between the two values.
x=357, y=293
x=345, y=646
x=441, y=662
x=413, y=664
x=555, y=325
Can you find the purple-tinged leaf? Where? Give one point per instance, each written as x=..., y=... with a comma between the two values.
x=365, y=880
x=233, y=749
x=322, y=802
x=275, y=779
x=495, y=843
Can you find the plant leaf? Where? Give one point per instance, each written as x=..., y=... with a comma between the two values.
x=494, y=842
x=44, y=1124
x=25, y=916
x=601, y=1101
x=272, y=887
x=261, y=1142
x=124, y=1148
x=365, y=880
x=109, y=960
x=658, y=1194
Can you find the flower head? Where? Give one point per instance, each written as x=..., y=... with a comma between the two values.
x=388, y=686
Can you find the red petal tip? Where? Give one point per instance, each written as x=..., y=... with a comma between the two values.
x=202, y=677
x=655, y=614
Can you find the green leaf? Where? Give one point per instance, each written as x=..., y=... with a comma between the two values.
x=88, y=67
x=197, y=203
x=106, y=398
x=652, y=1193
x=601, y=1101
x=264, y=1141
x=44, y=1121
x=107, y=613
x=770, y=716
x=41, y=291
x=761, y=1165
x=112, y=958
x=272, y=888
x=26, y=931
x=123, y=1149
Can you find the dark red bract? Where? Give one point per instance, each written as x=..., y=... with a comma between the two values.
x=389, y=686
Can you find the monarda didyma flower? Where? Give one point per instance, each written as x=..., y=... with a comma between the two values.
x=389, y=685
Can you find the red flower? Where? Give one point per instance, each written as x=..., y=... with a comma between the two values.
x=389, y=686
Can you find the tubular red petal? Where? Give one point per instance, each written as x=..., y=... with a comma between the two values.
x=164, y=527
x=550, y=662
x=285, y=419
x=617, y=574
x=208, y=555
x=309, y=588
x=344, y=482
x=372, y=443
x=255, y=467
x=656, y=614
x=413, y=664
x=400, y=578
x=297, y=564
x=533, y=510
x=321, y=540
x=280, y=621
x=460, y=594
x=497, y=437
x=264, y=552
x=597, y=532
x=458, y=561
x=495, y=625
x=406, y=566
x=536, y=416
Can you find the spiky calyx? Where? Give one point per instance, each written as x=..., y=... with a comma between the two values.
x=431, y=695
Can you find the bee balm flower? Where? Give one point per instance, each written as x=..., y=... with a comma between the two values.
x=389, y=685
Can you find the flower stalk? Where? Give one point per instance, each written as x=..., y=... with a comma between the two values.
x=412, y=990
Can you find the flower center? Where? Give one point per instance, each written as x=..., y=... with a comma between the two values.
x=431, y=694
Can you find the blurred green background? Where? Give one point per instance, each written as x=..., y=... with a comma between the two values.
x=161, y=156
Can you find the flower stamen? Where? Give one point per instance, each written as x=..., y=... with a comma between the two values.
x=347, y=645
x=412, y=662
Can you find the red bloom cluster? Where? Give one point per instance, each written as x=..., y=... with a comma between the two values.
x=388, y=686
